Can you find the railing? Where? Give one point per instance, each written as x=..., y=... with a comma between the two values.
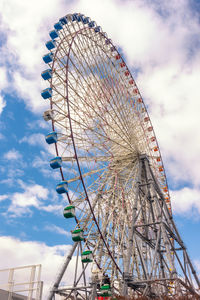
x=24, y=281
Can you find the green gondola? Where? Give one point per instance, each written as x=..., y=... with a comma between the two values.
x=86, y=256
x=69, y=212
x=77, y=235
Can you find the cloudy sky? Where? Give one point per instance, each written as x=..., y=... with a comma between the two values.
x=160, y=41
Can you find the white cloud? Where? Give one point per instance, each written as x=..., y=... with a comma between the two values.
x=12, y=155
x=32, y=196
x=186, y=200
x=15, y=211
x=2, y=103
x=56, y=209
x=38, y=139
x=12, y=174
x=8, y=181
x=42, y=162
x=173, y=97
x=3, y=85
x=57, y=229
x=39, y=162
x=3, y=197
x=197, y=265
x=25, y=26
x=4, y=79
x=39, y=123
x=29, y=90
x=34, y=139
x=16, y=172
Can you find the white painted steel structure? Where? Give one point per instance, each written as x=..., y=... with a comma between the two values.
x=113, y=166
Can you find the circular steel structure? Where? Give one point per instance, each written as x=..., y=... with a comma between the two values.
x=103, y=129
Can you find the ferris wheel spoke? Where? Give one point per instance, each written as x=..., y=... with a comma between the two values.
x=98, y=134
x=60, y=61
x=86, y=213
x=84, y=126
x=109, y=239
x=99, y=116
x=100, y=75
x=108, y=111
x=118, y=92
x=100, y=244
x=84, y=159
x=88, y=77
x=96, y=113
x=85, y=174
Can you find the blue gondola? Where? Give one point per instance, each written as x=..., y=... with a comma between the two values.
x=50, y=44
x=46, y=74
x=56, y=162
x=47, y=93
x=74, y=17
x=53, y=34
x=108, y=41
x=97, y=29
x=63, y=21
x=82, y=17
x=62, y=187
x=79, y=18
x=86, y=20
x=91, y=24
x=51, y=138
x=47, y=58
x=58, y=26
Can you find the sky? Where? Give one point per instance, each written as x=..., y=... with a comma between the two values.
x=160, y=42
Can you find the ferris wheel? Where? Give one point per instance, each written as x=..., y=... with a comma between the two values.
x=104, y=140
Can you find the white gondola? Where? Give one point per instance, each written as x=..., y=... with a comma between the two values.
x=48, y=115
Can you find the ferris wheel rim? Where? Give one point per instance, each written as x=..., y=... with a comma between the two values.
x=76, y=156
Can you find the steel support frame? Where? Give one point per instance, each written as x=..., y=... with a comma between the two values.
x=76, y=290
x=159, y=273
x=164, y=231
